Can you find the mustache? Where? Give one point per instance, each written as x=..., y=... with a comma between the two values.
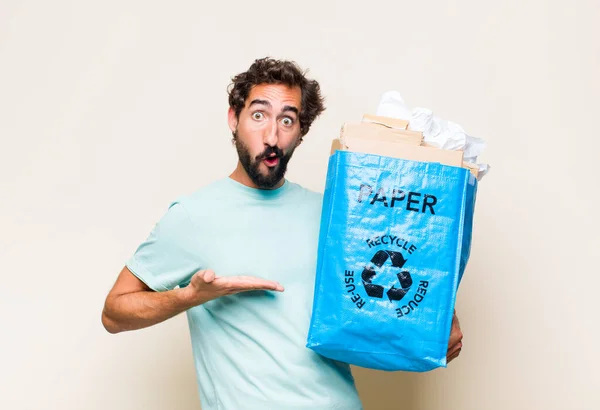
x=270, y=151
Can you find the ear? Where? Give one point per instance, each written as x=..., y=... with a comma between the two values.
x=232, y=119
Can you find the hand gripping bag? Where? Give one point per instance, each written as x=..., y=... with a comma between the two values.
x=394, y=241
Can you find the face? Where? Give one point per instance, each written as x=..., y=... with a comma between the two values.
x=267, y=132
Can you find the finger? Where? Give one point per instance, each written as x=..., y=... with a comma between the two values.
x=453, y=356
x=204, y=276
x=209, y=276
x=246, y=283
x=456, y=334
x=455, y=318
x=454, y=349
x=455, y=337
x=251, y=282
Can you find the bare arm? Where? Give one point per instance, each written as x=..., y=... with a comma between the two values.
x=132, y=305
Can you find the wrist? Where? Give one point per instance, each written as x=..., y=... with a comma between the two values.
x=186, y=296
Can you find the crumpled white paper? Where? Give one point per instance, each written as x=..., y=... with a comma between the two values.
x=437, y=132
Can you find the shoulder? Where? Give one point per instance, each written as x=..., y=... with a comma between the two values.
x=201, y=198
x=306, y=194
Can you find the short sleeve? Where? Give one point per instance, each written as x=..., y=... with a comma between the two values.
x=169, y=256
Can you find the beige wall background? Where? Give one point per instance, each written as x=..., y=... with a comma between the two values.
x=109, y=110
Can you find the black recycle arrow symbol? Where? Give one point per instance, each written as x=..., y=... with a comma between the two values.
x=404, y=278
x=405, y=282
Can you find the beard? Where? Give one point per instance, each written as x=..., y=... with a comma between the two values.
x=251, y=165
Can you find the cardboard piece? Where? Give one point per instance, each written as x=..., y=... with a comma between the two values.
x=389, y=137
x=398, y=150
x=471, y=167
x=336, y=145
x=377, y=132
x=394, y=123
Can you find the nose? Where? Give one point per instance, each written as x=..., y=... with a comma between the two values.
x=271, y=136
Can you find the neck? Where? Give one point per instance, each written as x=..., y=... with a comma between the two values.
x=240, y=175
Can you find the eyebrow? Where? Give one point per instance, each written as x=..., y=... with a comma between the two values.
x=261, y=102
x=268, y=104
x=290, y=108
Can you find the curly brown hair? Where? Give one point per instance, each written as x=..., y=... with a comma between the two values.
x=271, y=71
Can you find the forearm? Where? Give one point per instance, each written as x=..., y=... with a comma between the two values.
x=142, y=309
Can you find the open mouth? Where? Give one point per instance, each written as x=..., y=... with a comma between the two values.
x=271, y=161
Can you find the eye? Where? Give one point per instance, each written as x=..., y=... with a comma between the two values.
x=258, y=116
x=287, y=121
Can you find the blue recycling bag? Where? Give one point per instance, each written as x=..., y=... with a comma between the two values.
x=394, y=241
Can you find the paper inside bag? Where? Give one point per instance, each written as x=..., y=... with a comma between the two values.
x=399, y=150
